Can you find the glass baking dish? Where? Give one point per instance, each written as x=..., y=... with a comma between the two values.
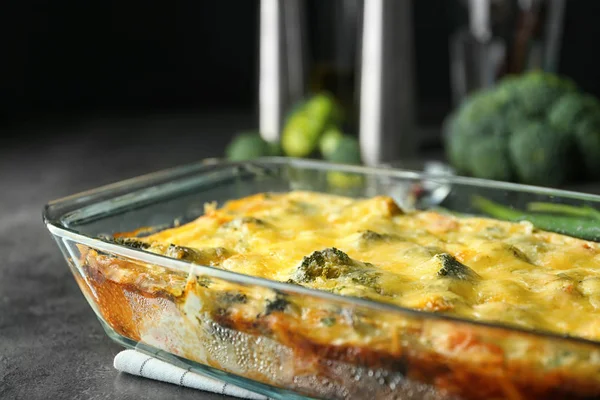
x=403, y=353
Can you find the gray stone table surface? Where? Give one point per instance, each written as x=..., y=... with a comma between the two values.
x=51, y=344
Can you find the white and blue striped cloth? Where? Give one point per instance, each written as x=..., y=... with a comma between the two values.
x=136, y=363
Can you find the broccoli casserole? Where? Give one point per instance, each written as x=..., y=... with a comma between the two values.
x=467, y=267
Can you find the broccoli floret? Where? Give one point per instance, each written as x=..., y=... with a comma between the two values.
x=489, y=158
x=567, y=111
x=538, y=90
x=514, y=117
x=250, y=145
x=237, y=223
x=130, y=242
x=480, y=115
x=540, y=155
x=279, y=304
x=456, y=144
x=463, y=132
x=480, y=106
x=525, y=128
x=450, y=267
x=369, y=236
x=507, y=89
x=333, y=263
x=207, y=256
x=229, y=298
x=327, y=264
x=587, y=140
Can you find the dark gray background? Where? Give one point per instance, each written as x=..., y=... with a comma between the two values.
x=65, y=58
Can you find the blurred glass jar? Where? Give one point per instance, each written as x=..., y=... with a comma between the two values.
x=500, y=37
x=360, y=52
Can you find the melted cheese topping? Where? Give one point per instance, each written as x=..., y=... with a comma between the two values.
x=507, y=272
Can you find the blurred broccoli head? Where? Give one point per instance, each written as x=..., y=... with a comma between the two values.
x=454, y=143
x=506, y=90
x=489, y=158
x=470, y=125
x=568, y=110
x=537, y=91
x=479, y=105
x=541, y=155
x=587, y=140
x=521, y=129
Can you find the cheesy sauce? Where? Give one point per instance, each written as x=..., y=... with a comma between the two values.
x=477, y=268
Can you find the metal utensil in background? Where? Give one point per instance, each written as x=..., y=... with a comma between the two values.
x=504, y=37
x=282, y=62
x=385, y=93
x=386, y=82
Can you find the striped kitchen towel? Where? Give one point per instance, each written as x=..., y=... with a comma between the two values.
x=140, y=364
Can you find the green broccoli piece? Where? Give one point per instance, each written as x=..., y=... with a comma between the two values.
x=368, y=237
x=249, y=146
x=587, y=140
x=567, y=111
x=456, y=144
x=333, y=263
x=462, y=131
x=480, y=105
x=330, y=263
x=479, y=115
x=538, y=90
x=507, y=89
x=490, y=159
x=540, y=155
x=129, y=242
x=525, y=128
x=514, y=117
x=279, y=304
x=205, y=256
x=450, y=267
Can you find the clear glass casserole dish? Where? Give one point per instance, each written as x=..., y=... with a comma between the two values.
x=403, y=353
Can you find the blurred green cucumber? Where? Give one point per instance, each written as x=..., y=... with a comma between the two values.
x=250, y=145
x=307, y=123
x=346, y=151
